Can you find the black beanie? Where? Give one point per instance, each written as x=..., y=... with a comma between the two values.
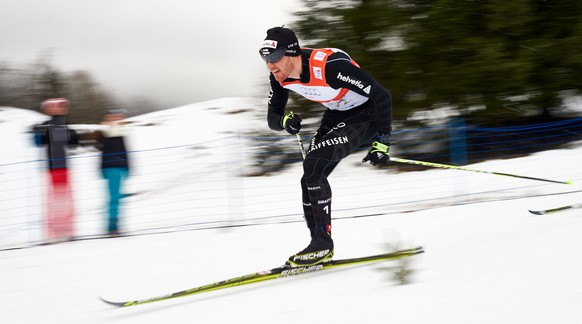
x=278, y=38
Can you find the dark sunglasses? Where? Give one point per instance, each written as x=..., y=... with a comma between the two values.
x=272, y=57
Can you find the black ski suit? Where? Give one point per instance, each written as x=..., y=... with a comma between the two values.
x=358, y=108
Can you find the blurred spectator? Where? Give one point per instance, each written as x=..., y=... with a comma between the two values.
x=114, y=163
x=56, y=136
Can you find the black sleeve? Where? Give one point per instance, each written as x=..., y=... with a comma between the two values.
x=40, y=134
x=98, y=140
x=278, y=97
x=341, y=73
x=73, y=138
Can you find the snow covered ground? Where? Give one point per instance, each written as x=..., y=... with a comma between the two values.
x=486, y=261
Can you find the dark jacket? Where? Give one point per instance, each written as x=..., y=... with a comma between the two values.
x=56, y=136
x=114, y=153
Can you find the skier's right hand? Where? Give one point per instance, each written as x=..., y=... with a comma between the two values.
x=291, y=122
x=379, y=154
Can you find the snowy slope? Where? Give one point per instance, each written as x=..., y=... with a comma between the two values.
x=486, y=260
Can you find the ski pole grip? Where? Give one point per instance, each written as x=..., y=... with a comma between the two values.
x=381, y=147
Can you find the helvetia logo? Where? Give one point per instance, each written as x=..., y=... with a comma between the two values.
x=349, y=80
x=355, y=82
x=269, y=43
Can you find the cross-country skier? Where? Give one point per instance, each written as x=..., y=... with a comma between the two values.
x=359, y=110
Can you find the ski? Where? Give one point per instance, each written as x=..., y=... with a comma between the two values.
x=554, y=210
x=279, y=272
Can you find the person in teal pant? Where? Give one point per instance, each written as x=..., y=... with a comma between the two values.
x=114, y=163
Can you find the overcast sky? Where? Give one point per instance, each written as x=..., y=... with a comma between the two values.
x=172, y=51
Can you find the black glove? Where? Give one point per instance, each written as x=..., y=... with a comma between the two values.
x=379, y=153
x=291, y=123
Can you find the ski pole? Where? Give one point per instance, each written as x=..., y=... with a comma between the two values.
x=301, y=147
x=454, y=167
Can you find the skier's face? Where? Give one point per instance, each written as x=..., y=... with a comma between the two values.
x=281, y=69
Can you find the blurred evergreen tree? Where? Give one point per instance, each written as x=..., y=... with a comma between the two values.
x=27, y=86
x=495, y=62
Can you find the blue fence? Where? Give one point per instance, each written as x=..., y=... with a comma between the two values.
x=459, y=144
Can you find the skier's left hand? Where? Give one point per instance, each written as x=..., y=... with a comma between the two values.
x=379, y=154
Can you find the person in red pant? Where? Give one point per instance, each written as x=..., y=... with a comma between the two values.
x=56, y=136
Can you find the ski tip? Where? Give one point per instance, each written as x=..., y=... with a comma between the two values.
x=117, y=304
x=536, y=212
x=570, y=182
x=411, y=251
